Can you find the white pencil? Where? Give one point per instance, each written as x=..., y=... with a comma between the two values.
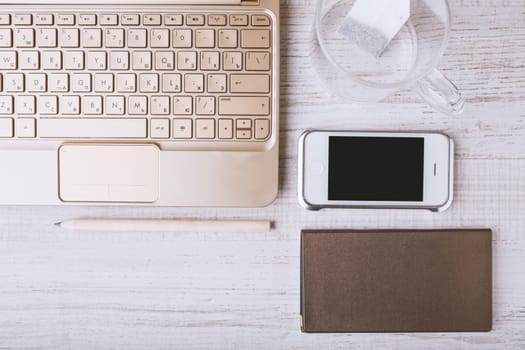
x=168, y=225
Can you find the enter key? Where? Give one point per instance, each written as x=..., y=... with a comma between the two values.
x=250, y=83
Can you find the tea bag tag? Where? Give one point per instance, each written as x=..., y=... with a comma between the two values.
x=372, y=24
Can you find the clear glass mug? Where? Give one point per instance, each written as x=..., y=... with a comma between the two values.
x=408, y=62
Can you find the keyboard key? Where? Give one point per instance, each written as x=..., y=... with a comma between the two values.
x=25, y=104
x=119, y=60
x=22, y=19
x=126, y=82
x=151, y=20
x=204, y=38
x=29, y=60
x=65, y=19
x=216, y=20
x=228, y=38
x=187, y=60
x=44, y=19
x=92, y=105
x=46, y=37
x=182, y=128
x=74, y=60
x=249, y=83
x=160, y=128
x=244, y=134
x=6, y=104
x=226, y=128
x=8, y=60
x=47, y=105
x=171, y=83
x=114, y=37
x=52, y=60
x=194, y=83
x=69, y=37
x=14, y=82
x=6, y=127
x=59, y=82
x=93, y=128
x=137, y=38
x=6, y=37
x=255, y=38
x=138, y=105
x=103, y=82
x=262, y=129
x=244, y=124
x=96, y=60
x=205, y=128
x=159, y=38
x=149, y=83
x=244, y=105
x=92, y=37
x=182, y=105
x=115, y=105
x=260, y=20
x=87, y=20
x=24, y=37
x=217, y=83
x=130, y=20
x=5, y=19
x=108, y=20
x=26, y=127
x=36, y=82
x=238, y=20
x=258, y=61
x=69, y=105
x=195, y=20
x=205, y=105
x=81, y=82
x=210, y=60
x=173, y=20
x=182, y=38
x=160, y=105
x=164, y=60
x=141, y=60
x=232, y=60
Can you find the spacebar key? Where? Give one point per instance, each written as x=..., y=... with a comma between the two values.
x=111, y=128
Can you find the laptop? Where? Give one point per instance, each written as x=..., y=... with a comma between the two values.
x=150, y=102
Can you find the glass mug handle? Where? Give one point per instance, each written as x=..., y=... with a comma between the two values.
x=440, y=93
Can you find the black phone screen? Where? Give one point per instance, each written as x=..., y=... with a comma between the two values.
x=376, y=168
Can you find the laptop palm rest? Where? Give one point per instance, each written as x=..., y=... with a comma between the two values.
x=117, y=173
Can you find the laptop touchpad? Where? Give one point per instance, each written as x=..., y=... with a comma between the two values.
x=108, y=173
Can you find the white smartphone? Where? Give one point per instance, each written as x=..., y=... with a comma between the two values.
x=375, y=169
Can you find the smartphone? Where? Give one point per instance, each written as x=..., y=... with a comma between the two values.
x=344, y=169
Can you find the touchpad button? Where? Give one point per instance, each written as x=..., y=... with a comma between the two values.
x=109, y=173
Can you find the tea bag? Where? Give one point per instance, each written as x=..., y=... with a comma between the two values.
x=372, y=24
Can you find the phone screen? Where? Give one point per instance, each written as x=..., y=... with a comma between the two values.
x=376, y=168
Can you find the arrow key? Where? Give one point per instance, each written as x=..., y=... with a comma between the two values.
x=160, y=128
x=262, y=129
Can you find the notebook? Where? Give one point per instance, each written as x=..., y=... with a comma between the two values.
x=151, y=103
x=396, y=281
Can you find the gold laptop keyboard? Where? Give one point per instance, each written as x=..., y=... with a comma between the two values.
x=169, y=76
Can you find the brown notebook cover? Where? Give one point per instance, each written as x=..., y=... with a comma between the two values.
x=396, y=281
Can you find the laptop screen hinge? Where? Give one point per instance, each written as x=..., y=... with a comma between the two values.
x=249, y=2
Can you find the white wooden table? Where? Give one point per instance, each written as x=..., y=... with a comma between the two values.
x=72, y=290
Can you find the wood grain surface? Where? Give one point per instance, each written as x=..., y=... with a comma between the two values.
x=81, y=290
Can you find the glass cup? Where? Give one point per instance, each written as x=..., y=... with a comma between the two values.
x=409, y=61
